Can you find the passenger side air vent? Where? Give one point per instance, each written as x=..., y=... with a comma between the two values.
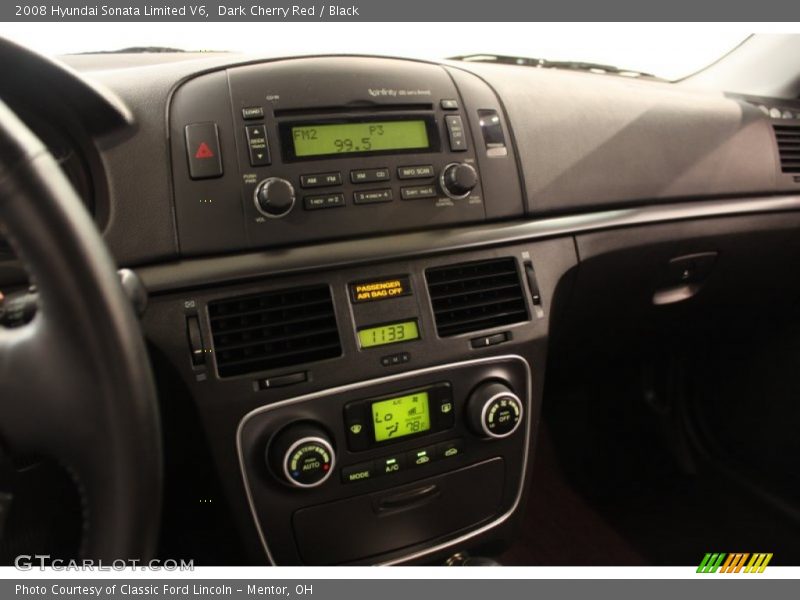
x=477, y=295
x=274, y=329
x=788, y=137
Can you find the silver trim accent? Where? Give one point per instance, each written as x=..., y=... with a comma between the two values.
x=317, y=440
x=265, y=183
x=486, y=407
x=444, y=187
x=388, y=379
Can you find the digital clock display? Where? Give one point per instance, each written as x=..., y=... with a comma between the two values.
x=391, y=333
x=367, y=136
x=398, y=417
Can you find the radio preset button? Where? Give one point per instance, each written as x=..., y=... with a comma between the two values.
x=415, y=172
x=372, y=196
x=369, y=175
x=257, y=145
x=419, y=191
x=456, y=133
x=320, y=180
x=323, y=201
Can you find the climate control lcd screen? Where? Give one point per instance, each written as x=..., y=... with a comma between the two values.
x=398, y=417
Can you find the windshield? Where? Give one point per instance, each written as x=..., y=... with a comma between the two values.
x=669, y=53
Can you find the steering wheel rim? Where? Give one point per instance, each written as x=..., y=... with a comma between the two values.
x=75, y=382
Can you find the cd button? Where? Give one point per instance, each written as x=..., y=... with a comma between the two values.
x=369, y=175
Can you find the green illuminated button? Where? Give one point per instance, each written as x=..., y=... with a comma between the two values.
x=390, y=465
x=357, y=473
x=450, y=449
x=421, y=456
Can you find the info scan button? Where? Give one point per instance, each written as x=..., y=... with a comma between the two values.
x=415, y=172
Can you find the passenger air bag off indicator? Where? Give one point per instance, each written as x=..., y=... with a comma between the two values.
x=380, y=289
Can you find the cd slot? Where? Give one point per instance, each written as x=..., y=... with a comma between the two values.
x=355, y=107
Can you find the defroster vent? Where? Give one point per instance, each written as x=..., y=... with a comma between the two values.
x=788, y=137
x=476, y=295
x=273, y=329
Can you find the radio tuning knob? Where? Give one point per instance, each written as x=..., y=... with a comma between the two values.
x=458, y=180
x=274, y=197
x=494, y=410
x=301, y=455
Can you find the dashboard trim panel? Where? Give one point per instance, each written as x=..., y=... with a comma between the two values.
x=389, y=379
x=199, y=272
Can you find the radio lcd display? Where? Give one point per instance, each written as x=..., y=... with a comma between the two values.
x=358, y=137
x=398, y=417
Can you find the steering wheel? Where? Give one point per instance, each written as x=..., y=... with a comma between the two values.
x=75, y=382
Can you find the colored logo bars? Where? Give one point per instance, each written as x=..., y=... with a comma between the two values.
x=734, y=563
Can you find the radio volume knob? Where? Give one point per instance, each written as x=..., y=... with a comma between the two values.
x=302, y=455
x=274, y=197
x=494, y=410
x=458, y=180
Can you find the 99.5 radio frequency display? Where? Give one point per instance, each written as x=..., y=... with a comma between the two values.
x=367, y=136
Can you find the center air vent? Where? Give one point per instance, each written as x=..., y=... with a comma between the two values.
x=788, y=137
x=476, y=295
x=274, y=329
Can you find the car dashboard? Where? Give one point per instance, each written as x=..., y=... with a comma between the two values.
x=357, y=266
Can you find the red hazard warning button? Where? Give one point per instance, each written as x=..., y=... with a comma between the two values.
x=202, y=150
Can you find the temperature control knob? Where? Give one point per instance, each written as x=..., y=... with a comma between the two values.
x=274, y=197
x=302, y=455
x=494, y=410
x=458, y=180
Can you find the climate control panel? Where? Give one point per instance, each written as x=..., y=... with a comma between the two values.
x=400, y=443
